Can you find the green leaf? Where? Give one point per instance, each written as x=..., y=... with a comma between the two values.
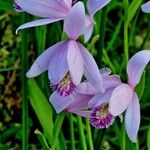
x=132, y=9
x=140, y=87
x=91, y=45
x=6, y=6
x=57, y=128
x=42, y=139
x=41, y=107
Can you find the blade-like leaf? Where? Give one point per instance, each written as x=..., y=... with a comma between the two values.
x=42, y=139
x=140, y=87
x=132, y=9
x=41, y=107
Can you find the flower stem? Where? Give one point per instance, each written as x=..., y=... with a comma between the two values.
x=24, y=65
x=100, y=43
x=123, y=138
x=89, y=135
x=126, y=50
x=72, y=132
x=41, y=41
x=81, y=133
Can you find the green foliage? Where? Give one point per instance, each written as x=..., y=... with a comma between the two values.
x=41, y=107
x=121, y=26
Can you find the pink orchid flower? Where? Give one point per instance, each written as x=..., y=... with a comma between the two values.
x=125, y=98
x=146, y=7
x=56, y=10
x=92, y=6
x=67, y=61
x=50, y=10
x=93, y=104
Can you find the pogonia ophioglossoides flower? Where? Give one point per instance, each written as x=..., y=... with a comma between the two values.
x=50, y=10
x=55, y=10
x=124, y=96
x=67, y=61
x=92, y=6
x=93, y=104
x=146, y=7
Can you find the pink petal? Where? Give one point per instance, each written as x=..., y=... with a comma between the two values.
x=105, y=71
x=89, y=23
x=68, y=3
x=58, y=64
x=74, y=23
x=101, y=98
x=91, y=70
x=75, y=62
x=120, y=99
x=111, y=81
x=37, y=23
x=44, y=8
x=132, y=118
x=96, y=5
x=136, y=66
x=80, y=105
x=86, y=88
x=60, y=102
x=42, y=62
x=146, y=7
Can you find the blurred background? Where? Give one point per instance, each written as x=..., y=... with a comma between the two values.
x=23, y=102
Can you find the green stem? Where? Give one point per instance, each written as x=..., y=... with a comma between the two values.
x=24, y=66
x=102, y=36
x=123, y=138
x=57, y=129
x=41, y=40
x=89, y=135
x=125, y=2
x=81, y=134
x=126, y=50
x=72, y=132
x=137, y=145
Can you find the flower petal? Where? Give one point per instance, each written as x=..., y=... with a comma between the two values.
x=86, y=88
x=68, y=3
x=91, y=70
x=75, y=62
x=111, y=81
x=105, y=71
x=74, y=23
x=58, y=64
x=60, y=102
x=44, y=8
x=42, y=62
x=96, y=5
x=101, y=98
x=80, y=105
x=37, y=23
x=89, y=23
x=136, y=66
x=146, y=7
x=132, y=118
x=120, y=99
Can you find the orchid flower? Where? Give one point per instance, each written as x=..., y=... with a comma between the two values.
x=146, y=7
x=50, y=10
x=124, y=96
x=67, y=61
x=92, y=6
x=93, y=104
